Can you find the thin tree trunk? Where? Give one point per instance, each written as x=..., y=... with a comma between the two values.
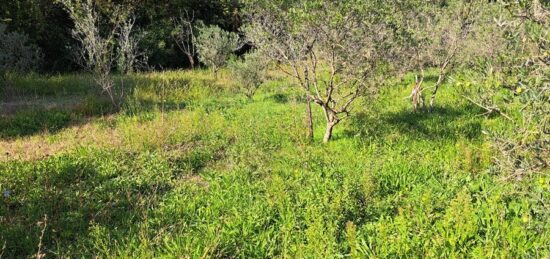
x=191, y=60
x=328, y=131
x=112, y=97
x=309, y=120
x=416, y=94
x=332, y=120
x=436, y=88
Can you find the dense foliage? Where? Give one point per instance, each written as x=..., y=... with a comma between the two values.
x=215, y=46
x=250, y=72
x=516, y=85
x=17, y=55
x=49, y=26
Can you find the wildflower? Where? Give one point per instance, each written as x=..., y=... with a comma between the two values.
x=519, y=90
x=525, y=218
x=6, y=193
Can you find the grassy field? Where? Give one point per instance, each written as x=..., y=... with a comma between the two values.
x=191, y=168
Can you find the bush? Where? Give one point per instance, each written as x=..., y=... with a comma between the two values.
x=215, y=45
x=16, y=53
x=249, y=72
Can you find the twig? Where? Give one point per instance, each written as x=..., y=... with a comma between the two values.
x=39, y=254
x=488, y=109
x=3, y=249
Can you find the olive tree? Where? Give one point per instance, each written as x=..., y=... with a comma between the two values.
x=215, y=46
x=250, y=72
x=438, y=36
x=515, y=85
x=335, y=50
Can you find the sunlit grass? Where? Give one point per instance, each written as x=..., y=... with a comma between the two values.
x=191, y=168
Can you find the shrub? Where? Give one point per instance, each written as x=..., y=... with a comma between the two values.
x=249, y=72
x=17, y=55
x=97, y=52
x=215, y=45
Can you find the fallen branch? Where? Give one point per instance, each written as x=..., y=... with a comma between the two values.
x=490, y=110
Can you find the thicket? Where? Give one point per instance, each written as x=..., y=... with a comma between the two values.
x=49, y=27
x=17, y=54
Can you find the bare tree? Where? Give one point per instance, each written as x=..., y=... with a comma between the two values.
x=184, y=35
x=335, y=54
x=97, y=52
x=130, y=56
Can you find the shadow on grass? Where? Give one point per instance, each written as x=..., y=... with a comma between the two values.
x=30, y=122
x=439, y=123
x=90, y=194
x=278, y=98
x=75, y=195
x=42, y=103
x=29, y=119
x=145, y=106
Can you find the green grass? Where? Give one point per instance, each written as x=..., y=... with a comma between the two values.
x=199, y=171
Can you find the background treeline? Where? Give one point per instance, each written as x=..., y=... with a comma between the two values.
x=48, y=26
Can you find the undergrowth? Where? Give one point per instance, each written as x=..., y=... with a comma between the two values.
x=196, y=170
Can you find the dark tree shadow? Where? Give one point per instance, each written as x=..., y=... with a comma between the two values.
x=29, y=114
x=33, y=121
x=74, y=195
x=28, y=120
x=446, y=122
x=146, y=106
x=278, y=98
